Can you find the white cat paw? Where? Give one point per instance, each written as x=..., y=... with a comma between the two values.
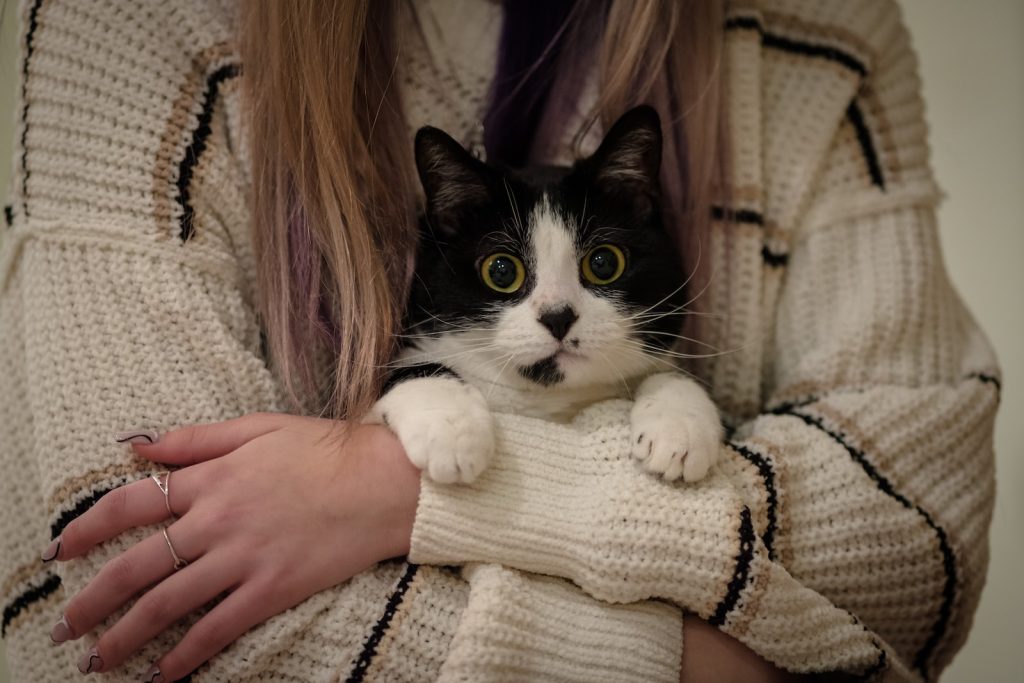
x=676, y=431
x=443, y=424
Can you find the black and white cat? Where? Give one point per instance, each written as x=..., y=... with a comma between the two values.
x=540, y=293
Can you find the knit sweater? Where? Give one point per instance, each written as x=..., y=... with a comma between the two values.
x=845, y=528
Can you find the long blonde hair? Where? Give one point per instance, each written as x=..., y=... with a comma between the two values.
x=334, y=194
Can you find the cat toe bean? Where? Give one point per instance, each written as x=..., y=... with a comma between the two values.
x=676, y=431
x=661, y=442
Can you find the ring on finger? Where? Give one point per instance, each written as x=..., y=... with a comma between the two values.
x=178, y=562
x=165, y=488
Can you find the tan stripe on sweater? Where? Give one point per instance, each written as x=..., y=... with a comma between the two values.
x=89, y=481
x=174, y=138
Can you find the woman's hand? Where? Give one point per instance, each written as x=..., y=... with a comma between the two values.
x=272, y=508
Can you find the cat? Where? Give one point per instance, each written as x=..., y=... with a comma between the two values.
x=539, y=293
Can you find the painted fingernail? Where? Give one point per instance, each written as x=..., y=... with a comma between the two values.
x=90, y=661
x=51, y=550
x=61, y=630
x=143, y=436
x=153, y=675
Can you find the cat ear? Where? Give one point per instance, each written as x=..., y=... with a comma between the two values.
x=453, y=180
x=628, y=161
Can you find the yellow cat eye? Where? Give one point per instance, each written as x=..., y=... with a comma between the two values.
x=503, y=272
x=603, y=264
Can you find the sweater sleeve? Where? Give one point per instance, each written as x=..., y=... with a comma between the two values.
x=846, y=528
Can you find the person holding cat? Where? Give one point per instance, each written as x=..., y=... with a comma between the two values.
x=188, y=180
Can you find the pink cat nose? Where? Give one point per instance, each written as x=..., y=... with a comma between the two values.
x=558, y=321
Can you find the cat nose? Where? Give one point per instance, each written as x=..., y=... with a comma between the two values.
x=558, y=321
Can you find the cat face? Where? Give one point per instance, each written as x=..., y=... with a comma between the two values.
x=547, y=278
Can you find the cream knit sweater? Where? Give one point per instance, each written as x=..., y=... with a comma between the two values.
x=846, y=528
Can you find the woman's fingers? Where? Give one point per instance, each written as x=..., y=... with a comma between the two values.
x=196, y=443
x=140, y=503
x=126, y=575
x=176, y=596
x=249, y=605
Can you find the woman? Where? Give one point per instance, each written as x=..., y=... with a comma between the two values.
x=844, y=532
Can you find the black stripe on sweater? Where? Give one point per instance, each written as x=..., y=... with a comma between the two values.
x=33, y=24
x=741, y=573
x=720, y=213
x=948, y=559
x=381, y=627
x=776, y=41
x=58, y=526
x=22, y=602
x=767, y=472
x=788, y=406
x=67, y=516
x=987, y=379
x=867, y=143
x=879, y=666
x=774, y=259
x=198, y=146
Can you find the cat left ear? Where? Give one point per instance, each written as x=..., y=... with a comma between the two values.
x=628, y=161
x=454, y=181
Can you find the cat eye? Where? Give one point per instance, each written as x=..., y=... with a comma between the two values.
x=603, y=264
x=503, y=272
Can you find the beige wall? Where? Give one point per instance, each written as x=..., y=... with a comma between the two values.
x=972, y=62
x=972, y=56
x=8, y=84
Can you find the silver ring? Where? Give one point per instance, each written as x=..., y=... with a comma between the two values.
x=178, y=562
x=165, y=488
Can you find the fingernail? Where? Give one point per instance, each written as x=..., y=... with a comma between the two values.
x=143, y=436
x=90, y=661
x=153, y=675
x=61, y=631
x=51, y=550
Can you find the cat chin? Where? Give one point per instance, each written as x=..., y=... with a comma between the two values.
x=572, y=371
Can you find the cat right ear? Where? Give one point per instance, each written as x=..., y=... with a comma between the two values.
x=453, y=180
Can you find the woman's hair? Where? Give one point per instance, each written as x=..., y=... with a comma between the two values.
x=334, y=194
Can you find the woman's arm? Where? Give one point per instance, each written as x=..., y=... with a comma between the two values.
x=847, y=526
x=846, y=532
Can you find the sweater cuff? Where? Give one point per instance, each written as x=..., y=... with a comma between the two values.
x=523, y=511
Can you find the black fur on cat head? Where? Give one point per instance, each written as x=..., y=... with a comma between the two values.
x=611, y=197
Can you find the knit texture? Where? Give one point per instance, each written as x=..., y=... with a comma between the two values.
x=844, y=529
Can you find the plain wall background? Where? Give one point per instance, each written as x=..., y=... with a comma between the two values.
x=972, y=64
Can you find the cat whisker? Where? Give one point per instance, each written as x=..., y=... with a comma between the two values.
x=450, y=323
x=647, y=318
x=673, y=366
x=442, y=333
x=518, y=221
x=679, y=288
x=678, y=354
x=608, y=362
x=494, y=381
x=651, y=357
x=682, y=338
x=660, y=302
